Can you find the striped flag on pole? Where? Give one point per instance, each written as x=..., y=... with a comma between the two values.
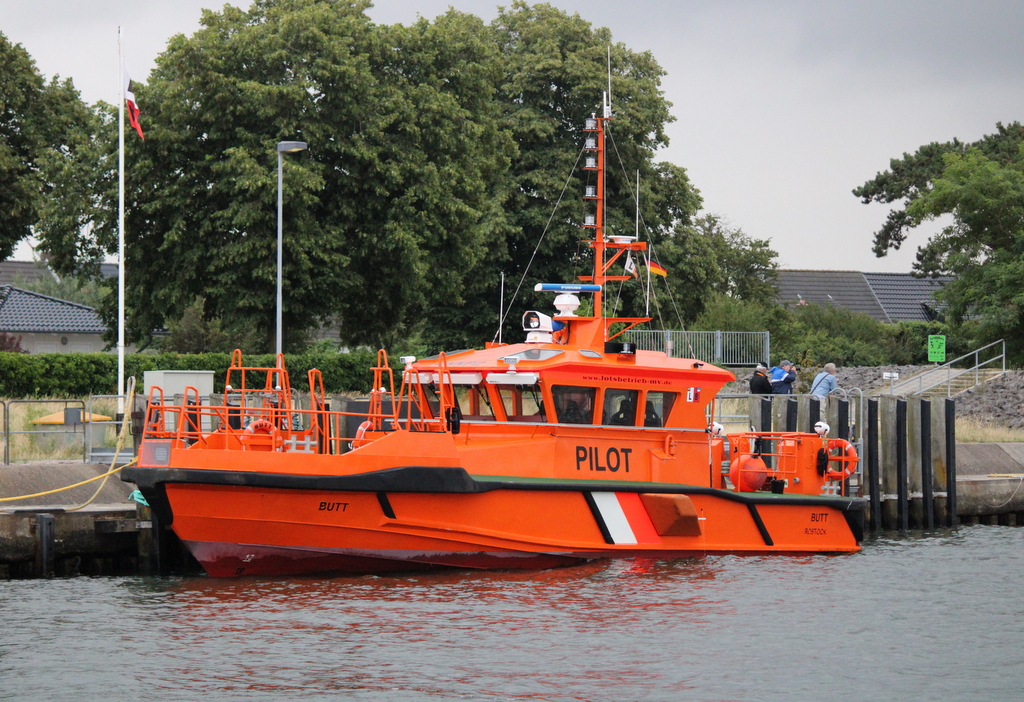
x=129, y=101
x=656, y=268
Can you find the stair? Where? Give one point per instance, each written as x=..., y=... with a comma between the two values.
x=942, y=382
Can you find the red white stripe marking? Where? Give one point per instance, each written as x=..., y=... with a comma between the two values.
x=625, y=518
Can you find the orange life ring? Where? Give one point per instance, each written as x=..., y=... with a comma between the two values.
x=847, y=456
x=748, y=473
x=261, y=427
x=361, y=439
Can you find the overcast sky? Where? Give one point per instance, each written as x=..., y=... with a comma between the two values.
x=782, y=107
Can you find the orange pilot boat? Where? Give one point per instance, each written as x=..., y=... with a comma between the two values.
x=572, y=445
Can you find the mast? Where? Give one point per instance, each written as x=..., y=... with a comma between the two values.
x=595, y=142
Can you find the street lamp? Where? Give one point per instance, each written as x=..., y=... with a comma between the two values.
x=283, y=147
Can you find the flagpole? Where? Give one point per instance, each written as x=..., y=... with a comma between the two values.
x=120, y=228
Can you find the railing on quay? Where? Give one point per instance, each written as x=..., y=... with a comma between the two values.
x=723, y=348
x=69, y=437
x=950, y=371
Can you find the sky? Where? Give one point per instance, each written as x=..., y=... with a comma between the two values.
x=781, y=108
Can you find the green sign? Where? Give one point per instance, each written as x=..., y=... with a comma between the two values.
x=936, y=348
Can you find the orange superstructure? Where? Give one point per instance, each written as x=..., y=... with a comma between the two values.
x=572, y=445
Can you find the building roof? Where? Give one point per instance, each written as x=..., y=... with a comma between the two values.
x=847, y=289
x=15, y=272
x=886, y=297
x=906, y=298
x=23, y=311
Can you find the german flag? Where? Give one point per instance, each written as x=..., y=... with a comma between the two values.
x=656, y=268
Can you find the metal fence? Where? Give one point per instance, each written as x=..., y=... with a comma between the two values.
x=723, y=348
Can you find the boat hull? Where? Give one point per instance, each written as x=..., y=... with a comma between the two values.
x=487, y=523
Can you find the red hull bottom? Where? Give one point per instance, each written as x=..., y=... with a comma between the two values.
x=221, y=560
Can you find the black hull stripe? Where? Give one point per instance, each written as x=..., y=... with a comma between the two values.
x=454, y=480
x=596, y=511
x=760, y=524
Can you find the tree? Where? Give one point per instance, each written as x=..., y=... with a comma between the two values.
x=910, y=177
x=554, y=71
x=981, y=186
x=390, y=205
x=35, y=118
x=709, y=258
x=436, y=154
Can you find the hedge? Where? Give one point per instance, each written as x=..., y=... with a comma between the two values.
x=83, y=374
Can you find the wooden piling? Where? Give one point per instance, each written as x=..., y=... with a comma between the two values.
x=915, y=515
x=926, y=465
x=887, y=454
x=46, y=546
x=874, y=483
x=951, y=461
x=813, y=412
x=902, y=511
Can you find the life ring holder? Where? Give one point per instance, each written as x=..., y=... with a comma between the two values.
x=360, y=439
x=847, y=457
x=261, y=427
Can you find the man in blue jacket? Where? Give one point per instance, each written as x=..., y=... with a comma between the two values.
x=783, y=376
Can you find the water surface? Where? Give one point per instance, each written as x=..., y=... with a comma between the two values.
x=934, y=617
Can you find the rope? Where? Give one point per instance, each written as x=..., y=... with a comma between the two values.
x=125, y=423
x=67, y=487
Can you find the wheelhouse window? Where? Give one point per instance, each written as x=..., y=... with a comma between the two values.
x=658, y=407
x=522, y=403
x=620, y=407
x=474, y=403
x=573, y=404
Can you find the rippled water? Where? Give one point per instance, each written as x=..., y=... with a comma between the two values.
x=937, y=617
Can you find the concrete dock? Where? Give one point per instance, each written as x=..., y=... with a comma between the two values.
x=47, y=535
x=990, y=483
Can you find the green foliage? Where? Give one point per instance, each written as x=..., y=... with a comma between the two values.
x=710, y=258
x=436, y=153
x=82, y=374
x=193, y=333
x=982, y=186
x=36, y=119
x=811, y=335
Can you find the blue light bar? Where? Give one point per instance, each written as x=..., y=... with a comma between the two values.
x=565, y=287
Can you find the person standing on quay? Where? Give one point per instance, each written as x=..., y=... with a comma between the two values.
x=783, y=377
x=825, y=382
x=759, y=383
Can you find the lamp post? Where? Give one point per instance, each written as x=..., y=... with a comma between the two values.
x=283, y=147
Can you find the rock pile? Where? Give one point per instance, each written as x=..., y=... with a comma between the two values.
x=1000, y=401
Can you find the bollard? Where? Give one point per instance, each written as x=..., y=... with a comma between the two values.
x=874, y=482
x=926, y=465
x=46, y=545
x=902, y=511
